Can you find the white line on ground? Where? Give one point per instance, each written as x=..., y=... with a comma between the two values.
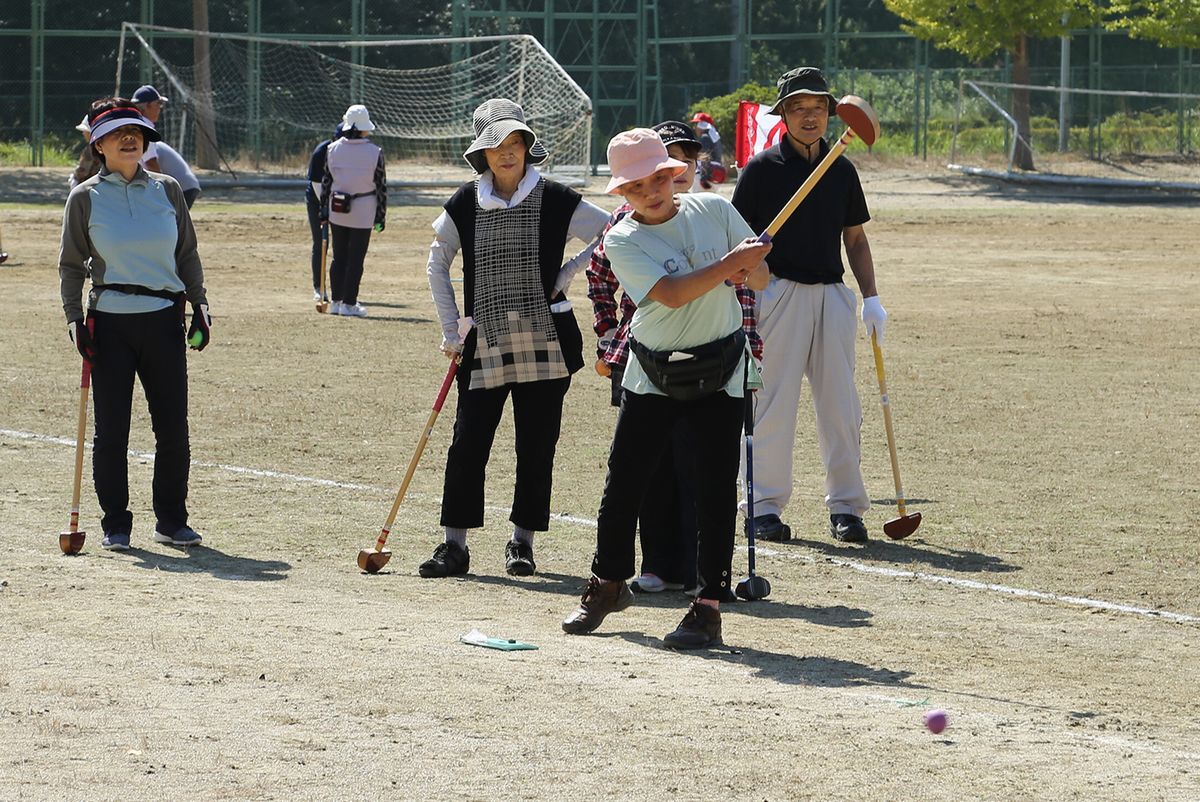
x=968, y=584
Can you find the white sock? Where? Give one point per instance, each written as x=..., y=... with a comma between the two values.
x=458, y=536
x=522, y=535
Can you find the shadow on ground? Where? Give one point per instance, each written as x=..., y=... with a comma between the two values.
x=790, y=669
x=205, y=559
x=912, y=552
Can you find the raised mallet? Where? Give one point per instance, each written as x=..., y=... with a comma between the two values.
x=861, y=122
x=323, y=304
x=904, y=525
x=71, y=541
x=752, y=587
x=373, y=559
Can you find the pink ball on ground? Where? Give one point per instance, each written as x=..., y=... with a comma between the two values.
x=936, y=721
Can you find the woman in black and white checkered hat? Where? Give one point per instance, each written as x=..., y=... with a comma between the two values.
x=512, y=225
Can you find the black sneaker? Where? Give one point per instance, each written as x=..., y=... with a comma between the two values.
x=770, y=528
x=449, y=559
x=518, y=558
x=699, y=629
x=847, y=528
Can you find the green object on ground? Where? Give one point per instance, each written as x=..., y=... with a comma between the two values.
x=477, y=638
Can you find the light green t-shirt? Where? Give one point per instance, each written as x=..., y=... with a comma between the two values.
x=705, y=228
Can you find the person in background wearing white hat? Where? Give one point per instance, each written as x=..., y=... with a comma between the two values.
x=679, y=257
x=354, y=201
x=131, y=232
x=89, y=162
x=806, y=315
x=161, y=157
x=512, y=226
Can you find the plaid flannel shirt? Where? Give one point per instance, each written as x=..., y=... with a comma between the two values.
x=602, y=290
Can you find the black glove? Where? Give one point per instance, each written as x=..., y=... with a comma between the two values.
x=200, y=332
x=79, y=333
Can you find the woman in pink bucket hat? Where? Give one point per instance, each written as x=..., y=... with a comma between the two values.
x=680, y=259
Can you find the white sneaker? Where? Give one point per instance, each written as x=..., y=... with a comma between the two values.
x=316, y=295
x=335, y=308
x=354, y=310
x=649, y=583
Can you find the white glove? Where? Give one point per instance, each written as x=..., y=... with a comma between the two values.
x=874, y=318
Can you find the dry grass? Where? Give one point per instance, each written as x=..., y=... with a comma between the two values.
x=1040, y=366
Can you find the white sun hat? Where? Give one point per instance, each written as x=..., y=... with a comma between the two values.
x=359, y=118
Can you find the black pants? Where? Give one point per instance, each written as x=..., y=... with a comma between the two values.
x=645, y=426
x=346, y=269
x=667, y=517
x=314, y=226
x=149, y=345
x=537, y=416
x=190, y=195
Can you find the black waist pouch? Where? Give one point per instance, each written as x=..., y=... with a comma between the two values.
x=340, y=202
x=692, y=373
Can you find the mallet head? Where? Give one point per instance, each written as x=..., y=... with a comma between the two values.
x=902, y=527
x=71, y=542
x=753, y=588
x=372, y=561
x=860, y=118
x=322, y=306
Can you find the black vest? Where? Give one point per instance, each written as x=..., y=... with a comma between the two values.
x=558, y=206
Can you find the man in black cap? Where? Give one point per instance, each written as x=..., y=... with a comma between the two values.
x=149, y=102
x=806, y=314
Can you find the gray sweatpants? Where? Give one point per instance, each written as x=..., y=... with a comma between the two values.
x=808, y=330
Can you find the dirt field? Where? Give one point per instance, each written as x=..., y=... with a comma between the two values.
x=1041, y=368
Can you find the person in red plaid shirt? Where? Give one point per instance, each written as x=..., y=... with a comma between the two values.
x=666, y=522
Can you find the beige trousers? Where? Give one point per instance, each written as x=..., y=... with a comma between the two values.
x=808, y=331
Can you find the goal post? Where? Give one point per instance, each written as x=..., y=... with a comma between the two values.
x=273, y=99
x=1084, y=136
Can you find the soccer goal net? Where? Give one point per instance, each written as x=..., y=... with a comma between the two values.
x=263, y=103
x=1080, y=135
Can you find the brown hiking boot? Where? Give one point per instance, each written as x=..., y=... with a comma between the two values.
x=699, y=629
x=599, y=599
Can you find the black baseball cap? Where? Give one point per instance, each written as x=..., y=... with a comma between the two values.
x=802, y=81
x=673, y=132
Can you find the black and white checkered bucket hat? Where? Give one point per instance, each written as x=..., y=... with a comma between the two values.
x=494, y=120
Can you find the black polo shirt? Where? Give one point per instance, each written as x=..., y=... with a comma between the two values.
x=808, y=248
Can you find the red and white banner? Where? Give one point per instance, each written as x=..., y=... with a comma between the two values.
x=757, y=130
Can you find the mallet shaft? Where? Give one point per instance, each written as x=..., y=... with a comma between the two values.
x=802, y=192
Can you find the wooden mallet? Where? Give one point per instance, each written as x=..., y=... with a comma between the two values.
x=373, y=559
x=904, y=525
x=861, y=122
x=71, y=541
x=323, y=304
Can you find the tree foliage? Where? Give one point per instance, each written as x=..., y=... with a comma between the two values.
x=980, y=30
x=1171, y=23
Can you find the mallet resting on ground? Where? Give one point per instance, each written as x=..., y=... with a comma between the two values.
x=373, y=559
x=900, y=527
x=71, y=541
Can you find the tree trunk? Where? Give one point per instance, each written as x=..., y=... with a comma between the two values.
x=1023, y=156
x=207, y=155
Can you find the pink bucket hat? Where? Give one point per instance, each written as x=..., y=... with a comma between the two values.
x=636, y=154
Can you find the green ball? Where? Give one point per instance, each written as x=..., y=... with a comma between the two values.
x=196, y=339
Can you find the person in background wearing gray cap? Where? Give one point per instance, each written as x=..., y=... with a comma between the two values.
x=161, y=157
x=806, y=314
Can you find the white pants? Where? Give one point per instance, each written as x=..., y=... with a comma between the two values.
x=808, y=330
